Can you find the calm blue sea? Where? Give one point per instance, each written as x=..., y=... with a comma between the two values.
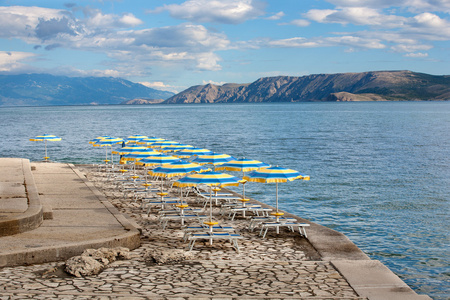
x=380, y=172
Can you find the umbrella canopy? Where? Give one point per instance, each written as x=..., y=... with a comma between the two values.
x=135, y=138
x=138, y=155
x=244, y=165
x=210, y=179
x=93, y=141
x=161, y=144
x=192, y=151
x=151, y=139
x=275, y=174
x=175, y=169
x=128, y=149
x=108, y=142
x=175, y=147
x=45, y=138
x=213, y=159
x=157, y=160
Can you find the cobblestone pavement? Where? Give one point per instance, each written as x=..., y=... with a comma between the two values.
x=278, y=267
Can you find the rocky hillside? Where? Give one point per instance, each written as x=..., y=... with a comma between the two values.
x=142, y=101
x=367, y=86
x=44, y=89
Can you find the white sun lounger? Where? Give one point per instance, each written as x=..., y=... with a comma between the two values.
x=291, y=225
x=211, y=236
x=202, y=228
x=178, y=217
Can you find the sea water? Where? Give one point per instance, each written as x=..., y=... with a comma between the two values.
x=380, y=171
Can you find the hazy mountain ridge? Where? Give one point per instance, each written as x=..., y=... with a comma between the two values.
x=366, y=86
x=45, y=89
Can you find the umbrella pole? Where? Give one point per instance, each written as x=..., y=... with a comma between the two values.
x=112, y=160
x=210, y=205
x=46, y=157
x=277, y=217
x=243, y=190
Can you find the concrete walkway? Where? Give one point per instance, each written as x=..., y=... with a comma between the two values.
x=79, y=214
x=78, y=217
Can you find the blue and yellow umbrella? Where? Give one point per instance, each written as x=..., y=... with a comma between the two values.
x=93, y=141
x=213, y=159
x=275, y=174
x=191, y=152
x=174, y=169
x=157, y=160
x=138, y=155
x=211, y=179
x=244, y=165
x=128, y=149
x=108, y=142
x=133, y=139
x=160, y=144
x=44, y=138
x=175, y=147
x=149, y=140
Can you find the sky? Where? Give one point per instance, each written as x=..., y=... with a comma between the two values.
x=172, y=45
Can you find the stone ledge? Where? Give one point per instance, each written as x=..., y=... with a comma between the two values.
x=33, y=217
x=372, y=279
x=129, y=240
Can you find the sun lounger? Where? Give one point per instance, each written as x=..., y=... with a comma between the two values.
x=258, y=210
x=258, y=220
x=179, y=217
x=202, y=228
x=211, y=236
x=205, y=198
x=166, y=201
x=291, y=225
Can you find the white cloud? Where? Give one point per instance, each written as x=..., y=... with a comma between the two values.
x=159, y=85
x=215, y=11
x=410, y=48
x=213, y=82
x=337, y=41
x=410, y=5
x=416, y=55
x=276, y=16
x=300, y=23
x=190, y=46
x=97, y=20
x=356, y=16
x=319, y=15
x=13, y=60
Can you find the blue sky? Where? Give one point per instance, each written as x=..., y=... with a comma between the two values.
x=172, y=45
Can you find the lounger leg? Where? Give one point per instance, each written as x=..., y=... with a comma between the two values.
x=304, y=231
x=191, y=245
x=265, y=232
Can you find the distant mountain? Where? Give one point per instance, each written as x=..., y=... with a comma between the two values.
x=142, y=101
x=367, y=86
x=45, y=89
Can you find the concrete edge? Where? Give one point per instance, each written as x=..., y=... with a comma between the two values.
x=372, y=279
x=129, y=240
x=33, y=217
x=126, y=222
x=329, y=243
